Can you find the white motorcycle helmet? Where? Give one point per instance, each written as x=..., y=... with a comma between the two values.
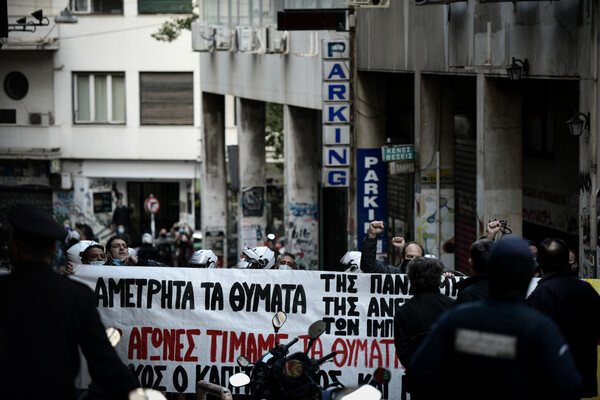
x=258, y=258
x=147, y=238
x=352, y=261
x=204, y=259
x=74, y=252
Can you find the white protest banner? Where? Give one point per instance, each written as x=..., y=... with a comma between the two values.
x=183, y=325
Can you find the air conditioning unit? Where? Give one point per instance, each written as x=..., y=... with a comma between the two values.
x=222, y=36
x=276, y=40
x=203, y=38
x=245, y=38
x=35, y=118
x=370, y=3
x=41, y=118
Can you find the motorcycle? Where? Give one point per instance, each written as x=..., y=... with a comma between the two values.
x=277, y=375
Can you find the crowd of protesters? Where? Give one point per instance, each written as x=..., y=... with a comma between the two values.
x=500, y=342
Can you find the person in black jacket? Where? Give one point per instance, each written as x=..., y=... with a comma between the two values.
x=368, y=260
x=573, y=304
x=414, y=318
x=476, y=286
x=498, y=348
x=44, y=317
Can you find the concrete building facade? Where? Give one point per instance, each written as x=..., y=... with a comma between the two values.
x=109, y=112
x=500, y=149
x=432, y=74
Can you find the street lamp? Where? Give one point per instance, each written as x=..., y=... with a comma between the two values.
x=517, y=69
x=66, y=17
x=577, y=125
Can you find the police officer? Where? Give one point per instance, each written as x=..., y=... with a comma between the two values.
x=499, y=348
x=45, y=317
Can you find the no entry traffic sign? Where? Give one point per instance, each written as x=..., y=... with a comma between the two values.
x=152, y=204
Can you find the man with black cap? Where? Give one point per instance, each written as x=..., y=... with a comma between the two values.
x=499, y=348
x=573, y=304
x=45, y=317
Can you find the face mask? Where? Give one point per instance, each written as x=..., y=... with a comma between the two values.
x=164, y=235
x=117, y=262
x=183, y=239
x=181, y=230
x=285, y=267
x=121, y=231
x=66, y=226
x=98, y=262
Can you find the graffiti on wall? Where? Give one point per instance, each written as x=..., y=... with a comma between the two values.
x=77, y=205
x=425, y=223
x=253, y=201
x=585, y=182
x=302, y=230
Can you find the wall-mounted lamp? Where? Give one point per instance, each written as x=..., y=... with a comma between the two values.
x=66, y=17
x=577, y=125
x=21, y=25
x=517, y=69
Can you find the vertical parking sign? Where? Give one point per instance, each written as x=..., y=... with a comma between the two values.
x=336, y=113
x=371, y=193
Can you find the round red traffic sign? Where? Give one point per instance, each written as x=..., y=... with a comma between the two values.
x=152, y=205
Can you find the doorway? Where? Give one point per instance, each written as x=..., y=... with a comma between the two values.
x=167, y=194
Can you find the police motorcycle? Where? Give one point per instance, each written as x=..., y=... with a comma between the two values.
x=276, y=375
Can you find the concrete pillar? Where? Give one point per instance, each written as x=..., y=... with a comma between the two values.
x=369, y=133
x=588, y=182
x=499, y=153
x=434, y=208
x=213, y=191
x=252, y=219
x=301, y=175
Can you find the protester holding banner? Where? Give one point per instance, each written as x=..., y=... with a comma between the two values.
x=368, y=261
x=573, y=304
x=45, y=317
x=498, y=348
x=117, y=250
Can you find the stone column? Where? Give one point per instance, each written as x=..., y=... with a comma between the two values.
x=252, y=216
x=301, y=175
x=499, y=153
x=434, y=208
x=213, y=191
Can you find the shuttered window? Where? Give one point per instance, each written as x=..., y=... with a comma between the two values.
x=164, y=6
x=166, y=98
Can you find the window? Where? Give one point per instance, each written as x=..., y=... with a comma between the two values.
x=97, y=6
x=102, y=202
x=164, y=6
x=166, y=98
x=99, y=98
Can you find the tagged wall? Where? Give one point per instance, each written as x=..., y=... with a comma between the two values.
x=425, y=223
x=302, y=228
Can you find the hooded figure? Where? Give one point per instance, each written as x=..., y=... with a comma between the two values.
x=505, y=348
